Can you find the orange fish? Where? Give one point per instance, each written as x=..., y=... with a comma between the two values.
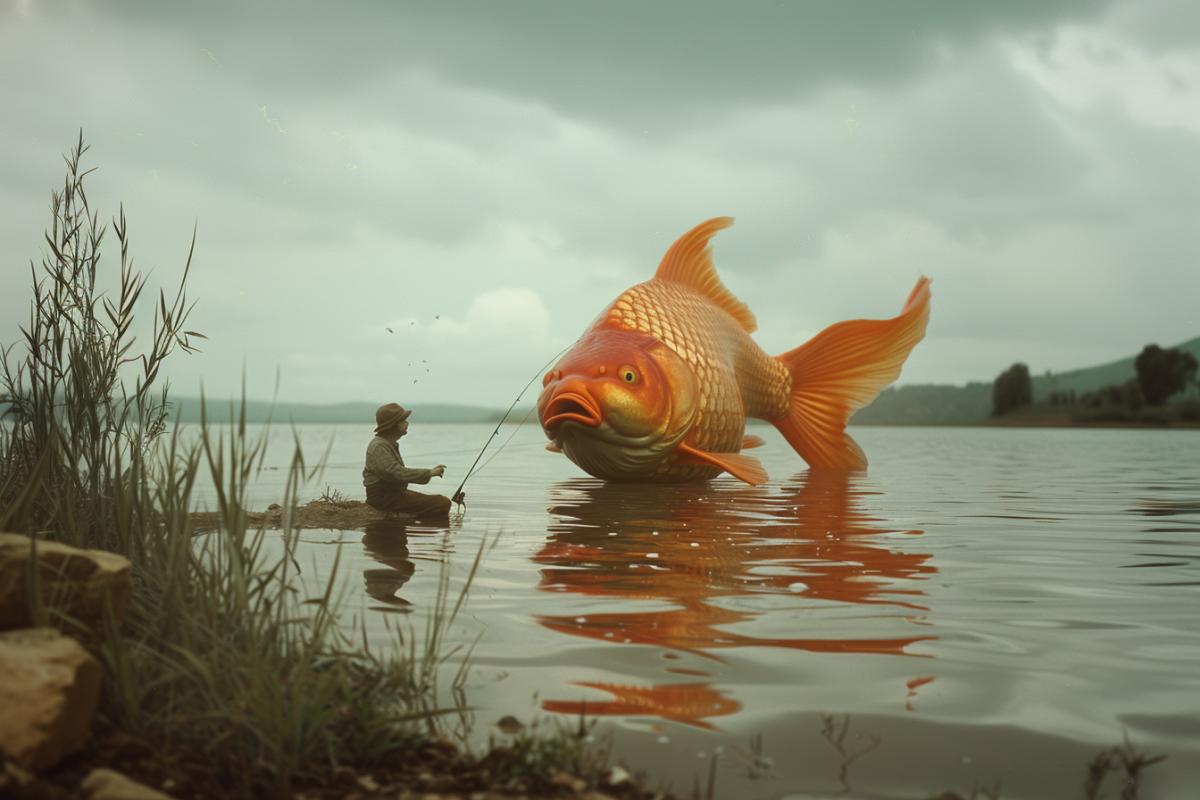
x=660, y=385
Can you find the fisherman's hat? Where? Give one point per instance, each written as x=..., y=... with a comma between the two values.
x=389, y=416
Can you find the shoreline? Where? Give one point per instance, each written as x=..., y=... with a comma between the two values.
x=1048, y=421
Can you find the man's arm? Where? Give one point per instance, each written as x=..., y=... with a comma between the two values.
x=382, y=462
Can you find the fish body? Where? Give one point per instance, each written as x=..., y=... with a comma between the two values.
x=659, y=387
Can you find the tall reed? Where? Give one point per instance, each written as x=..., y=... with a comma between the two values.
x=224, y=659
x=74, y=426
x=219, y=660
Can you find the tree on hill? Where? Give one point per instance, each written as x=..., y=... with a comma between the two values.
x=1161, y=373
x=1115, y=395
x=1012, y=389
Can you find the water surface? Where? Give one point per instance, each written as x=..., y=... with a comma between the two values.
x=982, y=605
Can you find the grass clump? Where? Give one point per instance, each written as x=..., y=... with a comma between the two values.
x=1126, y=763
x=555, y=758
x=220, y=661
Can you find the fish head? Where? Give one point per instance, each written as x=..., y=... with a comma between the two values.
x=617, y=403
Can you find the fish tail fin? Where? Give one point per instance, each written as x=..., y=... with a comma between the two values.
x=839, y=371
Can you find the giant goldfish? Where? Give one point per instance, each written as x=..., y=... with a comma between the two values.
x=659, y=387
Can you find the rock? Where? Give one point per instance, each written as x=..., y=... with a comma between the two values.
x=617, y=776
x=49, y=695
x=107, y=784
x=77, y=582
x=510, y=725
x=566, y=780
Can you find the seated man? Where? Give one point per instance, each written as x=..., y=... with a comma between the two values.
x=385, y=476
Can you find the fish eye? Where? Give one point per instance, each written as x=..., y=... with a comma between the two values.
x=628, y=374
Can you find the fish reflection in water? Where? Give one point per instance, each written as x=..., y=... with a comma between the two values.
x=689, y=703
x=693, y=546
x=386, y=541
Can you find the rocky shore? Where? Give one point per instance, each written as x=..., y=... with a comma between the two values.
x=52, y=683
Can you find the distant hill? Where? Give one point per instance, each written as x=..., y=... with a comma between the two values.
x=1089, y=378
x=928, y=404
x=933, y=404
x=187, y=409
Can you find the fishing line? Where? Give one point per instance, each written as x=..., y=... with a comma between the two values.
x=461, y=498
x=498, y=450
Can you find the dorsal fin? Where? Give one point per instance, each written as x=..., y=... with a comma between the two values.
x=689, y=261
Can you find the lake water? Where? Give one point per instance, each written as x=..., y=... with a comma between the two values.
x=983, y=606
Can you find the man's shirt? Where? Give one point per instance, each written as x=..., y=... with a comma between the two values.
x=384, y=465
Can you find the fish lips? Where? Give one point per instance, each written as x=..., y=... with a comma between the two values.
x=570, y=404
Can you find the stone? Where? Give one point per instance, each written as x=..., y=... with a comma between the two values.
x=566, y=780
x=107, y=784
x=49, y=694
x=510, y=725
x=617, y=776
x=77, y=582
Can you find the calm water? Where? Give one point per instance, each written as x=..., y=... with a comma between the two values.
x=981, y=606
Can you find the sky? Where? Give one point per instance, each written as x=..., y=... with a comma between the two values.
x=426, y=201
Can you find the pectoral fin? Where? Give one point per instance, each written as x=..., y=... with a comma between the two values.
x=553, y=447
x=744, y=468
x=750, y=440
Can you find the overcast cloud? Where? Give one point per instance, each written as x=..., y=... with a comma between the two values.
x=426, y=201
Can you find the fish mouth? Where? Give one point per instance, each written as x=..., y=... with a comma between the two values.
x=569, y=406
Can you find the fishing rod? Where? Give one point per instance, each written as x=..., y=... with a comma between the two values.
x=459, y=497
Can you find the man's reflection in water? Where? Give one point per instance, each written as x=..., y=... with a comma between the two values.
x=386, y=541
x=694, y=546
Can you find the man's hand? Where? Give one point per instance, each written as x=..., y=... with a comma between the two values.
x=438, y=471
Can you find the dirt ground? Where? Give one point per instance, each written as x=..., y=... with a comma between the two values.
x=330, y=514
x=434, y=769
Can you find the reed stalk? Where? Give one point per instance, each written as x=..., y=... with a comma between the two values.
x=219, y=659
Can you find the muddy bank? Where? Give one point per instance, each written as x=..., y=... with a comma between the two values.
x=323, y=513
x=418, y=770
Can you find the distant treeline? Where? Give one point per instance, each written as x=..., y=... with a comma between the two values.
x=928, y=404
x=1158, y=386
x=1095, y=388
x=1094, y=392
x=187, y=409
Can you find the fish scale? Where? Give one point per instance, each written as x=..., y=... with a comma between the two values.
x=736, y=377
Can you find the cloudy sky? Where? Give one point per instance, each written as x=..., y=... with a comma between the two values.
x=426, y=201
